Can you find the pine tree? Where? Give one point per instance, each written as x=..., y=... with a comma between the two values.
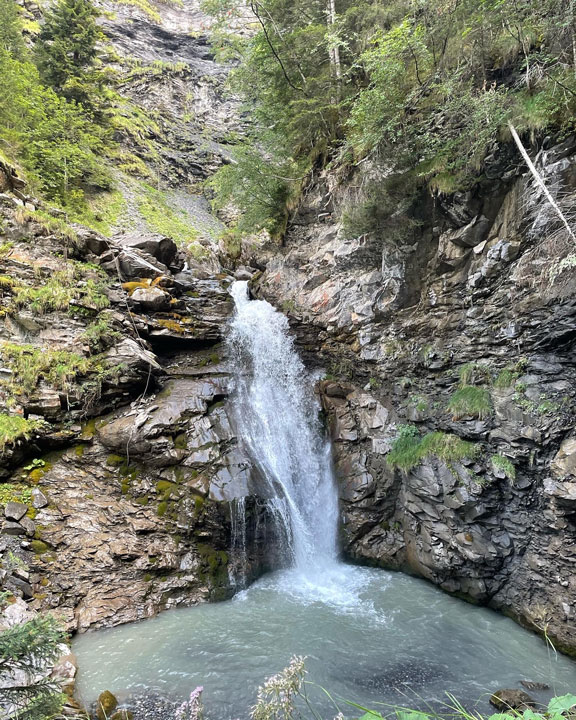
x=11, y=29
x=29, y=648
x=66, y=50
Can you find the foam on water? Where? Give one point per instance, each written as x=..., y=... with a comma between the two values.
x=276, y=416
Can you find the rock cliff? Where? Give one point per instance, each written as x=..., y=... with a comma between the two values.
x=447, y=318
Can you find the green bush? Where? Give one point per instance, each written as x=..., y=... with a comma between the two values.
x=504, y=464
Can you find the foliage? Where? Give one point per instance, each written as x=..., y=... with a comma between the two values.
x=277, y=695
x=14, y=428
x=470, y=400
x=508, y=375
x=55, y=139
x=74, y=286
x=11, y=492
x=100, y=334
x=426, y=87
x=11, y=40
x=262, y=186
x=31, y=647
x=30, y=364
x=285, y=695
x=409, y=449
x=191, y=709
x=499, y=462
x=66, y=50
x=474, y=374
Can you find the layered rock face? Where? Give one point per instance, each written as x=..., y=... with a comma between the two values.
x=123, y=484
x=450, y=319
x=119, y=494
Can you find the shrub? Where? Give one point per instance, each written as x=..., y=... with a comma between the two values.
x=30, y=364
x=499, y=462
x=63, y=289
x=474, y=374
x=31, y=648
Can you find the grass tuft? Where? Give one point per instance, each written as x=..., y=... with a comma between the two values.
x=472, y=401
x=409, y=449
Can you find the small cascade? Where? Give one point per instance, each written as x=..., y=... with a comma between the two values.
x=276, y=416
x=239, y=568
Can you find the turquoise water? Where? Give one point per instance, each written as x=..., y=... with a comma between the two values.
x=369, y=636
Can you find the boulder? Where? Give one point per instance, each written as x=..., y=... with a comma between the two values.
x=163, y=249
x=13, y=528
x=511, y=699
x=132, y=355
x=15, y=511
x=105, y=705
x=132, y=264
x=152, y=298
x=28, y=526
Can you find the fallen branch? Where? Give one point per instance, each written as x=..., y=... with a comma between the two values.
x=540, y=181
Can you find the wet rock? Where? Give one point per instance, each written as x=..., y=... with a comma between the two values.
x=511, y=699
x=105, y=705
x=15, y=511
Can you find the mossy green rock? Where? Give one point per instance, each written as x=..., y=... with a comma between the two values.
x=106, y=705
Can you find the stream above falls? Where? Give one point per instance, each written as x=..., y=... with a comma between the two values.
x=370, y=636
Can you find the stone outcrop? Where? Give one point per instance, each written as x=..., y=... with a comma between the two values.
x=459, y=292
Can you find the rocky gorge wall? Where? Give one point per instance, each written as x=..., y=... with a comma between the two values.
x=120, y=498
x=448, y=320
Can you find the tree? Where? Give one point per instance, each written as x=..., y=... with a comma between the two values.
x=11, y=29
x=66, y=50
x=28, y=650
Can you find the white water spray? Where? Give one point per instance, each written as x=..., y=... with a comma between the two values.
x=277, y=421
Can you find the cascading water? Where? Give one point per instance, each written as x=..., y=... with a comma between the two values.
x=277, y=422
x=370, y=636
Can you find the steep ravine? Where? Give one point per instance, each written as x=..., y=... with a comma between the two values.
x=127, y=484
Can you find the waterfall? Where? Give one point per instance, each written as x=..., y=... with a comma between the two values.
x=276, y=416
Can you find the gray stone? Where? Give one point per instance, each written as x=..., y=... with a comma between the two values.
x=29, y=526
x=152, y=298
x=15, y=511
x=39, y=500
x=13, y=528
